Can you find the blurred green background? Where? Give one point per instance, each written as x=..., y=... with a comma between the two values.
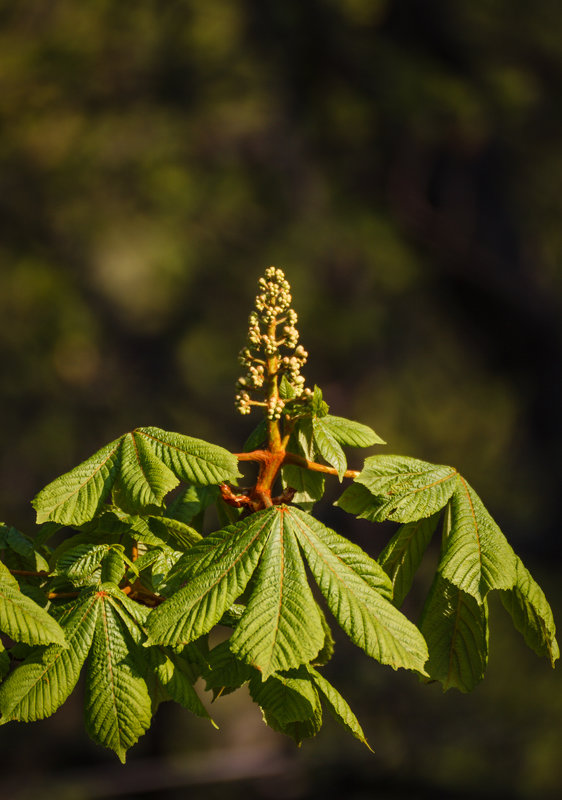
x=402, y=161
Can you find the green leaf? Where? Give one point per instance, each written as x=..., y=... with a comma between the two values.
x=351, y=433
x=224, y=672
x=18, y=543
x=327, y=650
x=175, y=532
x=143, y=480
x=176, y=676
x=118, y=707
x=286, y=389
x=25, y=621
x=309, y=485
x=79, y=563
x=403, y=554
x=348, y=579
x=192, y=460
x=281, y=627
x=4, y=662
x=113, y=566
x=455, y=627
x=318, y=405
x=477, y=556
x=77, y=495
x=46, y=678
x=142, y=466
x=328, y=446
x=358, y=500
x=403, y=489
x=337, y=706
x=290, y=704
x=531, y=614
x=218, y=568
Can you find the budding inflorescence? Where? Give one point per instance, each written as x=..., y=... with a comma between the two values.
x=272, y=326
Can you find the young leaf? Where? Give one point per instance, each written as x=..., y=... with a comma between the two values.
x=477, y=556
x=191, y=460
x=309, y=485
x=118, y=707
x=403, y=554
x=455, y=627
x=531, y=614
x=366, y=616
x=219, y=568
x=79, y=563
x=77, y=495
x=337, y=706
x=281, y=627
x=351, y=433
x=46, y=678
x=143, y=480
x=24, y=620
x=142, y=466
x=328, y=446
x=403, y=489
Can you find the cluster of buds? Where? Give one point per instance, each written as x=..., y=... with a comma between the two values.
x=271, y=326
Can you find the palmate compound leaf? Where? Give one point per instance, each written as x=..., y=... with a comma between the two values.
x=41, y=684
x=21, y=618
x=216, y=572
x=281, y=627
x=477, y=557
x=531, y=614
x=402, y=489
x=118, y=706
x=455, y=627
x=352, y=582
x=142, y=467
x=403, y=554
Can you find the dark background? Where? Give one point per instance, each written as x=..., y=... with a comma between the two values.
x=402, y=161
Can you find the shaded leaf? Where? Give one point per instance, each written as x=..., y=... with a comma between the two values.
x=455, y=627
x=337, y=706
x=403, y=554
x=176, y=676
x=309, y=485
x=531, y=614
x=224, y=672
